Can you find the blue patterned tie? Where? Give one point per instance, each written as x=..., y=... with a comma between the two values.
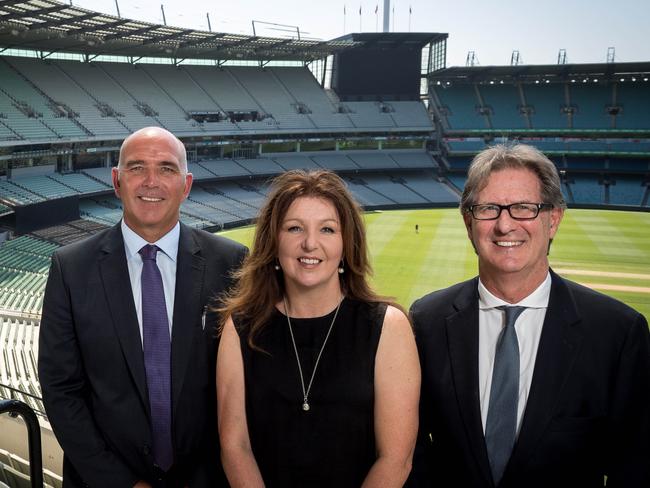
x=157, y=356
x=501, y=424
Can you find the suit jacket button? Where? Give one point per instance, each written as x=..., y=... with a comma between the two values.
x=146, y=450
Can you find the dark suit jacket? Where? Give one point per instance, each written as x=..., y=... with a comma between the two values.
x=91, y=363
x=587, y=414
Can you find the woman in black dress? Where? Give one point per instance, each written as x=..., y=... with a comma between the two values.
x=317, y=376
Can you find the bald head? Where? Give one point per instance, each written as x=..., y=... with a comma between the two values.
x=155, y=134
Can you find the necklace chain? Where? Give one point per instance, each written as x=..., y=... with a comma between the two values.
x=305, y=393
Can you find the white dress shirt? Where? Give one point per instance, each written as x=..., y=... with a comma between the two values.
x=166, y=261
x=529, y=330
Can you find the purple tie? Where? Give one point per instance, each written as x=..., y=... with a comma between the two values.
x=157, y=356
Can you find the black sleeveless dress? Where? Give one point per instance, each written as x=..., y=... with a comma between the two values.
x=332, y=444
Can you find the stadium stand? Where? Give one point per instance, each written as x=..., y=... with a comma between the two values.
x=546, y=102
x=290, y=162
x=576, y=114
x=502, y=102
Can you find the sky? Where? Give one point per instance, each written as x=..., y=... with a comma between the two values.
x=493, y=30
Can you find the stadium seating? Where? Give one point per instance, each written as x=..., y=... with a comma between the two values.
x=289, y=162
x=591, y=102
x=457, y=180
x=587, y=189
x=503, y=102
x=373, y=160
x=546, y=101
x=152, y=98
x=70, y=99
x=634, y=99
x=626, y=190
x=102, y=175
x=369, y=114
x=392, y=187
x=413, y=159
x=60, y=88
x=459, y=103
x=108, y=93
x=16, y=195
x=43, y=119
x=427, y=185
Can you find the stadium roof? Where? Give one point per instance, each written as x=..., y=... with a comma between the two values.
x=393, y=39
x=53, y=26
x=560, y=72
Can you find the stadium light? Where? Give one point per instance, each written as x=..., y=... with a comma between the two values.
x=645, y=79
x=622, y=79
x=573, y=81
x=633, y=79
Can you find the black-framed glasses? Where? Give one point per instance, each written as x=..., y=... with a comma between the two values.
x=518, y=211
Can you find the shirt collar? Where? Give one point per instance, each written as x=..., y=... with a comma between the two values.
x=167, y=243
x=537, y=299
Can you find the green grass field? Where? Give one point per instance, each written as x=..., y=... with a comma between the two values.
x=606, y=250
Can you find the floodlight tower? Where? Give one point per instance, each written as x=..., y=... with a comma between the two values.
x=386, y=15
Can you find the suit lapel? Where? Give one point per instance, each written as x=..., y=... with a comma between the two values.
x=558, y=347
x=117, y=289
x=462, y=335
x=190, y=268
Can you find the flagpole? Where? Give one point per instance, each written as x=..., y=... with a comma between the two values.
x=376, y=18
x=344, y=19
x=360, y=28
x=410, y=12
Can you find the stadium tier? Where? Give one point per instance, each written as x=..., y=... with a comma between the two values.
x=60, y=99
x=593, y=121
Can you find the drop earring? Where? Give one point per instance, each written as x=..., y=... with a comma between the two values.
x=341, y=268
x=276, y=266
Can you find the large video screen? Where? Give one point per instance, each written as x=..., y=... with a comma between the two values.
x=377, y=74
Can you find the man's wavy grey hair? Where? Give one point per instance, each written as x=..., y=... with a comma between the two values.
x=496, y=158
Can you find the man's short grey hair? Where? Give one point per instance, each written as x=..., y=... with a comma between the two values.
x=182, y=154
x=499, y=157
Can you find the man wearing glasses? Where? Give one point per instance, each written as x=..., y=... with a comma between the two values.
x=528, y=379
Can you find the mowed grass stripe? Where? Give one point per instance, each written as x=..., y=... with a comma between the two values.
x=381, y=227
x=398, y=263
x=443, y=265
x=607, y=237
x=609, y=242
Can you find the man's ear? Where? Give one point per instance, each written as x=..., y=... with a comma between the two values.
x=115, y=176
x=555, y=218
x=467, y=218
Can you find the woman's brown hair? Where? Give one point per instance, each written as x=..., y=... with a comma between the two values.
x=259, y=286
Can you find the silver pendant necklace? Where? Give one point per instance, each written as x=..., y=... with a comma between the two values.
x=305, y=393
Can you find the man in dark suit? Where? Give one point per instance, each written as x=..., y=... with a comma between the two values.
x=528, y=379
x=127, y=355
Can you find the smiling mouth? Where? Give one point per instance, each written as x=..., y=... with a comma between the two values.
x=309, y=260
x=509, y=243
x=151, y=199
